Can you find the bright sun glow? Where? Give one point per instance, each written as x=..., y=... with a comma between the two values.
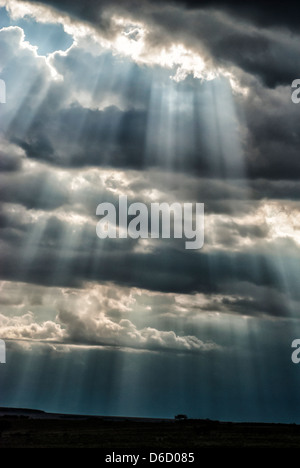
x=131, y=41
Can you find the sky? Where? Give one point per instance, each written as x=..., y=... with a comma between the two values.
x=161, y=101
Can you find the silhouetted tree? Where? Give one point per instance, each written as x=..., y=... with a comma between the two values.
x=181, y=417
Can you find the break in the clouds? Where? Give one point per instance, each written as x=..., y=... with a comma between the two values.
x=162, y=102
x=104, y=109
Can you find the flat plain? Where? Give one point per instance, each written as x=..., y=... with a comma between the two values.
x=36, y=429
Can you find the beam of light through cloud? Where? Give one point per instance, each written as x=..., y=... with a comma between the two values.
x=122, y=102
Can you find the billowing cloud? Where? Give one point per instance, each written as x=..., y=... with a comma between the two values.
x=97, y=331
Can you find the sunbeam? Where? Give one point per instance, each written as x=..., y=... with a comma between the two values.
x=127, y=128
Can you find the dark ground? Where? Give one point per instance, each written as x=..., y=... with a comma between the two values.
x=33, y=429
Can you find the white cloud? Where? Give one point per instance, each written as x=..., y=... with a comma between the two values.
x=24, y=327
x=88, y=330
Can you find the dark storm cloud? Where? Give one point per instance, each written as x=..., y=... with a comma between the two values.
x=270, y=304
x=260, y=12
x=83, y=257
x=9, y=162
x=78, y=137
x=266, y=58
x=118, y=139
x=273, y=136
x=269, y=55
x=108, y=138
x=88, y=11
